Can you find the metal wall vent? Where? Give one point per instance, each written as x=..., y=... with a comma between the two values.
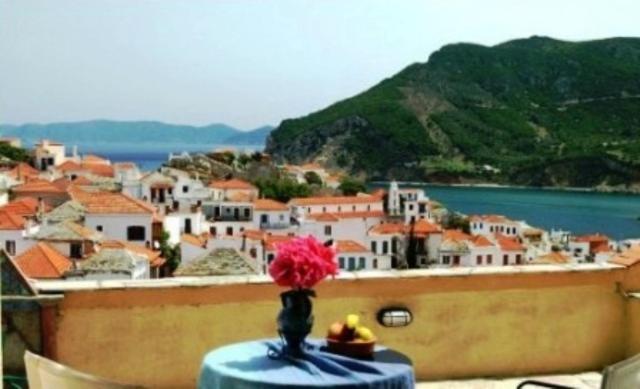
x=395, y=317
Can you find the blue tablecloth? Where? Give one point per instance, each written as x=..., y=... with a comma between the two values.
x=247, y=365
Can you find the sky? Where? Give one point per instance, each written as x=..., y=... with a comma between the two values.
x=248, y=63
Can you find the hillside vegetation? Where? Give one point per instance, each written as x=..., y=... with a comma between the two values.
x=541, y=111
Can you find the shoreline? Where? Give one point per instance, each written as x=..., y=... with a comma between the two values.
x=489, y=185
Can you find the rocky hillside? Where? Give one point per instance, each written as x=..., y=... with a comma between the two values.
x=534, y=111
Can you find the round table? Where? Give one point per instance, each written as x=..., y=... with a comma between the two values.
x=258, y=364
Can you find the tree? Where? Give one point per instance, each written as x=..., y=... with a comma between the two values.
x=457, y=221
x=282, y=189
x=411, y=254
x=170, y=253
x=14, y=153
x=351, y=186
x=312, y=178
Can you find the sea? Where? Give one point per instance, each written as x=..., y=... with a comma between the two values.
x=580, y=212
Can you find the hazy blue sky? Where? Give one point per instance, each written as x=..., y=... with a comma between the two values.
x=248, y=63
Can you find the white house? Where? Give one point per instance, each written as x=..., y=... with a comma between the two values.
x=48, y=153
x=270, y=214
x=233, y=190
x=117, y=216
x=305, y=206
x=354, y=256
x=14, y=230
x=494, y=224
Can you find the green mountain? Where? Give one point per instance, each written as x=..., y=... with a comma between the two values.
x=138, y=132
x=542, y=111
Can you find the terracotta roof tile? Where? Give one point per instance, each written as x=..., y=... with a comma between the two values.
x=11, y=221
x=23, y=171
x=196, y=240
x=508, y=244
x=424, y=227
x=38, y=186
x=349, y=246
x=628, y=257
x=334, y=200
x=233, y=183
x=553, y=258
x=109, y=202
x=388, y=228
x=269, y=205
x=154, y=257
x=24, y=206
x=43, y=261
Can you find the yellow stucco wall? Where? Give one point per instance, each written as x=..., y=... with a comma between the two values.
x=465, y=326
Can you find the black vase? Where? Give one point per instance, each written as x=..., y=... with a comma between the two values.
x=295, y=319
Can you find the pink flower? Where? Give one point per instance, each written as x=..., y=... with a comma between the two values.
x=303, y=262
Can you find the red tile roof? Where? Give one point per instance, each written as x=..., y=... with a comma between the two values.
x=424, y=227
x=11, y=221
x=628, y=257
x=90, y=158
x=269, y=205
x=98, y=169
x=553, y=258
x=334, y=200
x=110, y=203
x=233, y=183
x=68, y=165
x=272, y=241
x=481, y=241
x=456, y=235
x=38, y=186
x=349, y=246
x=387, y=228
x=508, y=244
x=23, y=171
x=196, y=240
x=43, y=261
x=491, y=219
x=24, y=206
x=154, y=257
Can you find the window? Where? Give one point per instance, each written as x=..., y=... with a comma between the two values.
x=324, y=209
x=505, y=259
x=75, y=250
x=136, y=233
x=247, y=212
x=446, y=259
x=270, y=258
x=99, y=228
x=374, y=247
x=489, y=259
x=385, y=247
x=253, y=252
x=410, y=207
x=519, y=259
x=352, y=263
x=341, y=260
x=281, y=217
x=327, y=230
x=479, y=260
x=187, y=226
x=375, y=263
x=353, y=208
x=491, y=229
x=212, y=231
x=456, y=260
x=339, y=208
x=368, y=207
x=309, y=209
x=422, y=208
x=185, y=189
x=361, y=263
x=229, y=231
x=10, y=247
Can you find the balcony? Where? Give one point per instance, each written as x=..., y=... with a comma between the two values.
x=468, y=323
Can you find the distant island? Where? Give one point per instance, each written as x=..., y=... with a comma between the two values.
x=135, y=132
x=535, y=112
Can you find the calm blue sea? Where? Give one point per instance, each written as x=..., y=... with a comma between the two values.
x=615, y=215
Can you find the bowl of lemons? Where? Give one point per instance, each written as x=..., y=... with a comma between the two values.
x=350, y=338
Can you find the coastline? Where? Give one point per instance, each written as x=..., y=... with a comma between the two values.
x=490, y=185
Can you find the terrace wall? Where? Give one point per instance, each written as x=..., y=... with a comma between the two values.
x=467, y=322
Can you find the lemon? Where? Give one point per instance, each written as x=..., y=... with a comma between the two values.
x=364, y=333
x=352, y=321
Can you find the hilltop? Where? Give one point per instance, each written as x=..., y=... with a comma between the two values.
x=135, y=132
x=536, y=111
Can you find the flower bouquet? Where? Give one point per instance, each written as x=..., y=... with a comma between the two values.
x=299, y=265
